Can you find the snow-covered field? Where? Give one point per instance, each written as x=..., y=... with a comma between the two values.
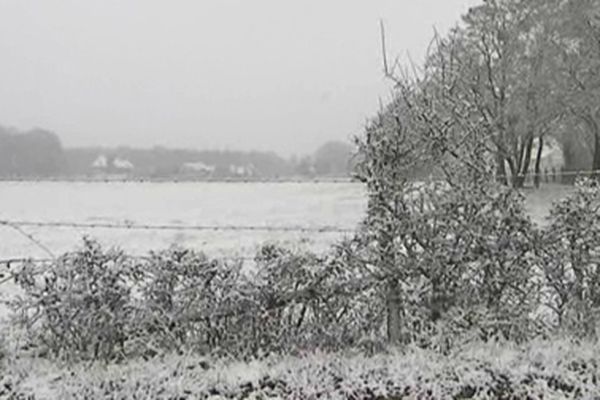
x=310, y=205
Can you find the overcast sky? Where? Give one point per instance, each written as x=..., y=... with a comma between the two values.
x=277, y=75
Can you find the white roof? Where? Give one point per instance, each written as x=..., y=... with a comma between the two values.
x=100, y=162
x=122, y=164
x=198, y=166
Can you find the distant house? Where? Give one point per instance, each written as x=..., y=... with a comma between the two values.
x=552, y=155
x=198, y=169
x=100, y=163
x=242, y=171
x=105, y=165
x=122, y=165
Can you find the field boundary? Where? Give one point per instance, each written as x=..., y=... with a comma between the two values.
x=159, y=227
x=20, y=226
x=548, y=175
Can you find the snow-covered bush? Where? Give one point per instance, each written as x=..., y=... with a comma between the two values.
x=463, y=262
x=307, y=301
x=440, y=266
x=456, y=251
x=81, y=306
x=101, y=304
x=571, y=260
x=188, y=301
x=291, y=301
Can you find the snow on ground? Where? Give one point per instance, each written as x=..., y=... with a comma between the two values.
x=260, y=204
x=311, y=205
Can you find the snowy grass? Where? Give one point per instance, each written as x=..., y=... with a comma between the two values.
x=556, y=369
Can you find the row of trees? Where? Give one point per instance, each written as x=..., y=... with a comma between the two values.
x=331, y=159
x=39, y=153
x=513, y=73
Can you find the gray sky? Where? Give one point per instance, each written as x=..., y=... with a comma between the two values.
x=277, y=75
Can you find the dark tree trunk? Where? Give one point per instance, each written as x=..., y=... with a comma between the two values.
x=538, y=163
x=524, y=162
x=514, y=171
x=594, y=130
x=501, y=170
x=394, y=311
x=527, y=161
x=596, y=163
x=393, y=293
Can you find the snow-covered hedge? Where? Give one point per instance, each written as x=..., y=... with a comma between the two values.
x=100, y=304
x=457, y=266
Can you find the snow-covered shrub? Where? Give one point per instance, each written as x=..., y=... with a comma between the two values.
x=188, y=301
x=456, y=251
x=81, y=306
x=489, y=233
x=307, y=301
x=101, y=304
x=462, y=260
x=291, y=301
x=571, y=260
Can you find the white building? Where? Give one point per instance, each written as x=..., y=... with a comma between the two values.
x=100, y=163
x=119, y=164
x=198, y=168
x=240, y=170
x=552, y=155
x=123, y=165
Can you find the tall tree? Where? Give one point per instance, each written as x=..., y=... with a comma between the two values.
x=505, y=75
x=577, y=40
x=34, y=153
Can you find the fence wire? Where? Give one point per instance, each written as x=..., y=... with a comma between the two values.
x=166, y=227
x=9, y=262
x=320, y=180
x=547, y=173
x=19, y=224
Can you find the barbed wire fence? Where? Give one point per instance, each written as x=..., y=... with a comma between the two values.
x=132, y=179
x=158, y=227
x=20, y=226
x=548, y=175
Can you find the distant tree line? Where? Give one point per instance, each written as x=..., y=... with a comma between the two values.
x=333, y=159
x=40, y=153
x=160, y=162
